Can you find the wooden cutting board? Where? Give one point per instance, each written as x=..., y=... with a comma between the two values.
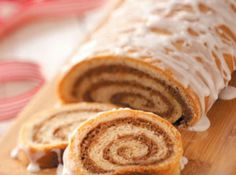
x=212, y=152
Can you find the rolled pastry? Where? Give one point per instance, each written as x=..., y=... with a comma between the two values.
x=43, y=139
x=168, y=57
x=124, y=142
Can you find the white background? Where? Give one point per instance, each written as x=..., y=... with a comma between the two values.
x=47, y=42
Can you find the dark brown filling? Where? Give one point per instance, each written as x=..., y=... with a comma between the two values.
x=112, y=69
x=152, y=149
x=59, y=132
x=95, y=134
x=50, y=158
x=118, y=97
x=62, y=131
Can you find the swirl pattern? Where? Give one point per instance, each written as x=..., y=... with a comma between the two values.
x=125, y=89
x=147, y=61
x=123, y=140
x=44, y=138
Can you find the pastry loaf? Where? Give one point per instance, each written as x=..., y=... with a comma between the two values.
x=43, y=139
x=124, y=142
x=168, y=57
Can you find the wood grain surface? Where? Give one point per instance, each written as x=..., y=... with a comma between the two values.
x=212, y=152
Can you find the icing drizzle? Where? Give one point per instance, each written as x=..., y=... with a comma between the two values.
x=183, y=162
x=228, y=93
x=202, y=125
x=59, y=169
x=33, y=167
x=193, y=38
x=14, y=153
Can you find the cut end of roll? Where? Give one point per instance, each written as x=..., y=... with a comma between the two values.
x=43, y=139
x=124, y=141
x=132, y=83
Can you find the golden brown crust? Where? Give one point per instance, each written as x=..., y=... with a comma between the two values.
x=194, y=60
x=75, y=161
x=54, y=126
x=66, y=97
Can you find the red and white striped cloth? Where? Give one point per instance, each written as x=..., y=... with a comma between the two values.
x=16, y=71
x=14, y=13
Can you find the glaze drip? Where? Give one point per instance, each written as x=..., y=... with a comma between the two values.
x=192, y=40
x=228, y=93
x=43, y=139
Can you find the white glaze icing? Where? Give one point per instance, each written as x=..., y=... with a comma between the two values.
x=60, y=166
x=202, y=125
x=14, y=153
x=59, y=155
x=194, y=65
x=48, y=136
x=183, y=162
x=33, y=167
x=66, y=171
x=60, y=169
x=228, y=93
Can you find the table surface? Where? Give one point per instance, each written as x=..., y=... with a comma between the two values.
x=209, y=153
x=212, y=152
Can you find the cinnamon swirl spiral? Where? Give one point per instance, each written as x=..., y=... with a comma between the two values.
x=168, y=57
x=124, y=141
x=43, y=139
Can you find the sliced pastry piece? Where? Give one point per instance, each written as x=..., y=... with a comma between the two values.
x=171, y=58
x=124, y=142
x=43, y=139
